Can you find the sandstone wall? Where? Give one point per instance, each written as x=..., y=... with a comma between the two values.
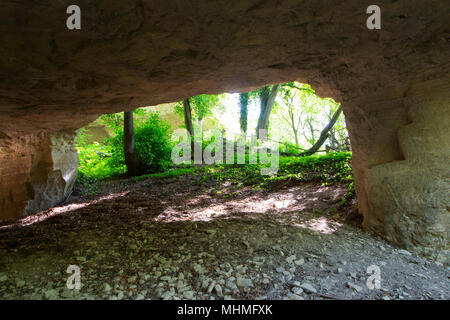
x=36, y=172
x=409, y=200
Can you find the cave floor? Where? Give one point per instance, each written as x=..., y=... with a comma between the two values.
x=181, y=238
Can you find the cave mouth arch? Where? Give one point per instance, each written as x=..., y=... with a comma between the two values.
x=393, y=84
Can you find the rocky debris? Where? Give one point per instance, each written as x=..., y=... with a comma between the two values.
x=308, y=287
x=354, y=287
x=125, y=255
x=243, y=282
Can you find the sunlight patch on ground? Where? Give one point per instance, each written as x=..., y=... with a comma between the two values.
x=322, y=225
x=44, y=215
x=290, y=207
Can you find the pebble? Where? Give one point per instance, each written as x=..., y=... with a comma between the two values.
x=280, y=269
x=51, y=294
x=354, y=287
x=67, y=294
x=20, y=283
x=297, y=290
x=405, y=252
x=218, y=289
x=299, y=262
x=243, y=282
x=294, y=296
x=308, y=287
x=290, y=259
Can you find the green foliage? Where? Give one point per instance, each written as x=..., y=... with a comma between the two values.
x=166, y=174
x=201, y=105
x=287, y=147
x=153, y=145
x=114, y=121
x=93, y=160
x=92, y=165
x=99, y=161
x=330, y=168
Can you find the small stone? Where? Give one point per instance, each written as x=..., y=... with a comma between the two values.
x=290, y=259
x=168, y=294
x=308, y=287
x=218, y=289
x=354, y=287
x=243, y=282
x=294, y=296
x=297, y=290
x=280, y=269
x=20, y=283
x=405, y=252
x=231, y=285
x=188, y=295
x=51, y=294
x=211, y=287
x=299, y=262
x=67, y=294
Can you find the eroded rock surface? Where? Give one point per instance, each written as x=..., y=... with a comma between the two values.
x=37, y=172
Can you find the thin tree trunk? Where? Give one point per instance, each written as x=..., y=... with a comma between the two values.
x=131, y=159
x=188, y=116
x=266, y=109
x=311, y=129
x=323, y=134
x=243, y=102
x=292, y=123
x=188, y=123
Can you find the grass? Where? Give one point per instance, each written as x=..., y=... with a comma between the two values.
x=333, y=167
x=166, y=174
x=329, y=168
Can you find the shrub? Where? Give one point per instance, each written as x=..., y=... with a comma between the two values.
x=152, y=142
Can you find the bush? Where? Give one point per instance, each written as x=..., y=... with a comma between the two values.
x=92, y=159
x=153, y=145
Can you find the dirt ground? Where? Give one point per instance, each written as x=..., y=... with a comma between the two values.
x=181, y=238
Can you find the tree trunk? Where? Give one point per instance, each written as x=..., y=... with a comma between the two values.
x=188, y=123
x=292, y=124
x=129, y=149
x=188, y=116
x=266, y=109
x=323, y=134
x=243, y=102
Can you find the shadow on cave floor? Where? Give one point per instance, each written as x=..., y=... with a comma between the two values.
x=181, y=238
